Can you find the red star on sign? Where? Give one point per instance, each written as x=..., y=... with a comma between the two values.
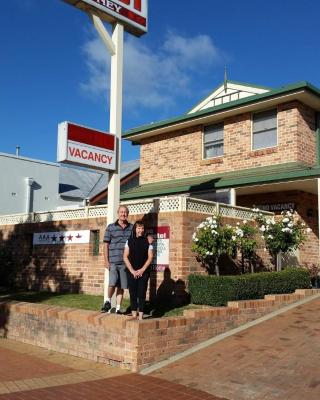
x=70, y=238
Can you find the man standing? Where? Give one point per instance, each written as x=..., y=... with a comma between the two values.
x=115, y=239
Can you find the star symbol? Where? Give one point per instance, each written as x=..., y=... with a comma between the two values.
x=70, y=238
x=54, y=238
x=61, y=238
x=78, y=236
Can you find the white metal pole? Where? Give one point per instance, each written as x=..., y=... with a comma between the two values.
x=114, y=45
x=115, y=128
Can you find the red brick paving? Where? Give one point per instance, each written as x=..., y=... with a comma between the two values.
x=278, y=359
x=126, y=387
x=15, y=366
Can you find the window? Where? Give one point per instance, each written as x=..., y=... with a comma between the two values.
x=264, y=129
x=213, y=140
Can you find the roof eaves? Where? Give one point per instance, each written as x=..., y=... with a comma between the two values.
x=218, y=181
x=245, y=101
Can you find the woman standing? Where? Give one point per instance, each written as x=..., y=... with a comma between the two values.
x=138, y=254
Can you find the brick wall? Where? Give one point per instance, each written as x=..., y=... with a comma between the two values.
x=178, y=154
x=126, y=343
x=75, y=268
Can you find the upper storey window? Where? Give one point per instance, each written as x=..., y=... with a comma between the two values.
x=213, y=140
x=264, y=129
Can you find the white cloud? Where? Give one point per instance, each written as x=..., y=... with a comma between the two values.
x=153, y=78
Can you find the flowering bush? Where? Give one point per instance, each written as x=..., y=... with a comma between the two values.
x=211, y=240
x=314, y=272
x=244, y=236
x=285, y=234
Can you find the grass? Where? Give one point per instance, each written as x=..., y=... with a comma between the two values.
x=88, y=302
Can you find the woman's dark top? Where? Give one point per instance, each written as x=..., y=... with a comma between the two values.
x=138, y=251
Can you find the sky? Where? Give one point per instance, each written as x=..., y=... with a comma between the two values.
x=54, y=67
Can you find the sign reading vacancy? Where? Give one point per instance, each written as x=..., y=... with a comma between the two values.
x=85, y=146
x=66, y=237
x=133, y=14
x=161, y=247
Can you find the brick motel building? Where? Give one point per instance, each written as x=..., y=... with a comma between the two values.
x=241, y=146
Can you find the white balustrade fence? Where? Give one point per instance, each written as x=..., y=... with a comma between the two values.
x=164, y=204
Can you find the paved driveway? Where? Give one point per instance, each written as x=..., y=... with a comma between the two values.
x=31, y=373
x=278, y=359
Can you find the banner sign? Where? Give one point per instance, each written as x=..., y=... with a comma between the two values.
x=161, y=246
x=133, y=14
x=86, y=147
x=61, y=237
x=276, y=207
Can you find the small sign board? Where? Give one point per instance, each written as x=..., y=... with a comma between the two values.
x=161, y=247
x=133, y=14
x=87, y=147
x=274, y=207
x=61, y=237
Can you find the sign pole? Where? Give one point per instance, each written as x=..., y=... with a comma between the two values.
x=115, y=47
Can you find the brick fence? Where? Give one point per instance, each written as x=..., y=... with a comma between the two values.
x=122, y=341
x=78, y=268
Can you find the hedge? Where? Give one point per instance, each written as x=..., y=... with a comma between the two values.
x=218, y=290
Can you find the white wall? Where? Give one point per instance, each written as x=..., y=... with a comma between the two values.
x=14, y=171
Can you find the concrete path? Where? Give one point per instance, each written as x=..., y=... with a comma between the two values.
x=31, y=373
x=278, y=359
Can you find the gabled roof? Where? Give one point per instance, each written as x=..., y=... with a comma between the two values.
x=246, y=177
x=226, y=92
x=80, y=183
x=301, y=91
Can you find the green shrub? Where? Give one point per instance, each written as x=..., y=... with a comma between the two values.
x=218, y=290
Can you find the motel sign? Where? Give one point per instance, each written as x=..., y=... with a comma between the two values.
x=131, y=13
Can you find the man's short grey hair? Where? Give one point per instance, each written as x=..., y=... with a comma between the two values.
x=125, y=207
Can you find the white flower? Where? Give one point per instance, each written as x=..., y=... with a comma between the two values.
x=196, y=240
x=285, y=220
x=309, y=230
x=270, y=237
x=214, y=232
x=290, y=225
x=264, y=249
x=233, y=237
x=244, y=221
x=238, y=223
x=263, y=228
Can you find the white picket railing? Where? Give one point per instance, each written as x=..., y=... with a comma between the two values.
x=145, y=206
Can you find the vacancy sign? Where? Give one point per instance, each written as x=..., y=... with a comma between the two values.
x=86, y=147
x=133, y=14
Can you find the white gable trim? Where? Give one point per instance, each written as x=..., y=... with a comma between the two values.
x=222, y=95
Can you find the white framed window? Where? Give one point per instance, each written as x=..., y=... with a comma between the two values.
x=213, y=140
x=264, y=129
